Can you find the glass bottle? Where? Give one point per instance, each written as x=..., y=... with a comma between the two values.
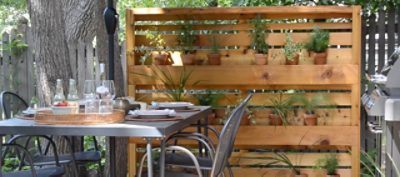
x=72, y=91
x=59, y=95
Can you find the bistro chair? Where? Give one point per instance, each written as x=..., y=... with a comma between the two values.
x=218, y=160
x=12, y=104
x=18, y=151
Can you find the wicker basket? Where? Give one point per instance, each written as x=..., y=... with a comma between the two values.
x=48, y=118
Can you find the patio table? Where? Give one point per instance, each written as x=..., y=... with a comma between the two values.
x=149, y=130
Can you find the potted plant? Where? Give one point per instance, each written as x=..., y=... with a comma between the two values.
x=282, y=158
x=214, y=57
x=292, y=51
x=258, y=44
x=280, y=109
x=208, y=98
x=187, y=40
x=317, y=46
x=330, y=164
x=159, y=57
x=310, y=105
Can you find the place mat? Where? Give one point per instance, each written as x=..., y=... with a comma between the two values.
x=25, y=116
x=131, y=118
x=187, y=110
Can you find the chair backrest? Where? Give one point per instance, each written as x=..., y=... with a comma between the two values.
x=227, y=138
x=11, y=103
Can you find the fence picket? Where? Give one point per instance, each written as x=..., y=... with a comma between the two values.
x=382, y=39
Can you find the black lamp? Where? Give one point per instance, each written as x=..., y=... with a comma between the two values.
x=111, y=22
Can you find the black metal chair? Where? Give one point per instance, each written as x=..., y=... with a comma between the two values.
x=218, y=160
x=56, y=171
x=12, y=104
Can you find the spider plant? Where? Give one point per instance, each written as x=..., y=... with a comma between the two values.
x=175, y=88
x=280, y=109
x=283, y=158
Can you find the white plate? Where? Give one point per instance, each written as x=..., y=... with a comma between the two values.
x=174, y=104
x=153, y=113
x=33, y=111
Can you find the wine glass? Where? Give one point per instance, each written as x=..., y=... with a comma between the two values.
x=105, y=89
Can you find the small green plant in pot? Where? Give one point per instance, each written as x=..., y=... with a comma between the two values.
x=318, y=45
x=280, y=158
x=330, y=163
x=187, y=39
x=160, y=57
x=209, y=98
x=214, y=57
x=310, y=106
x=280, y=110
x=292, y=50
x=259, y=44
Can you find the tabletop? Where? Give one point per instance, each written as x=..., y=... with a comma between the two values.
x=125, y=129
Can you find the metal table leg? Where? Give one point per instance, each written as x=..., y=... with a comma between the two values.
x=149, y=158
x=200, y=145
x=162, y=158
x=113, y=159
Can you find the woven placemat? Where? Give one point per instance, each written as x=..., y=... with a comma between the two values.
x=132, y=118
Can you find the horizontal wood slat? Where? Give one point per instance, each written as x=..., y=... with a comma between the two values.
x=243, y=39
x=256, y=75
x=271, y=26
x=265, y=172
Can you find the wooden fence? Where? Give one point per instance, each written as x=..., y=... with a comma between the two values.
x=338, y=129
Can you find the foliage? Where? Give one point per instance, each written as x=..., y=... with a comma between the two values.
x=319, y=40
x=281, y=107
x=291, y=49
x=208, y=98
x=187, y=38
x=156, y=40
x=369, y=167
x=330, y=163
x=282, y=158
x=310, y=104
x=259, y=35
x=16, y=47
x=10, y=10
x=214, y=45
x=175, y=89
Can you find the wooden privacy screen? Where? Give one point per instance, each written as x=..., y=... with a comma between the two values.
x=338, y=130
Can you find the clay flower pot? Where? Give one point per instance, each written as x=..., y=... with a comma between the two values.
x=211, y=117
x=293, y=61
x=260, y=59
x=199, y=61
x=275, y=119
x=301, y=175
x=310, y=119
x=161, y=59
x=319, y=58
x=188, y=59
x=214, y=58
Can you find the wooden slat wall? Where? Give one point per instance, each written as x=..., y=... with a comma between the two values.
x=339, y=79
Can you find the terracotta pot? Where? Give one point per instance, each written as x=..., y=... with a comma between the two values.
x=294, y=61
x=214, y=58
x=332, y=175
x=319, y=58
x=310, y=119
x=188, y=59
x=275, y=119
x=260, y=59
x=301, y=175
x=161, y=59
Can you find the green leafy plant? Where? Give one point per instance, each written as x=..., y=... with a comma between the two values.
x=208, y=98
x=319, y=40
x=259, y=35
x=291, y=49
x=175, y=89
x=156, y=40
x=281, y=107
x=329, y=163
x=16, y=47
x=311, y=104
x=282, y=158
x=187, y=38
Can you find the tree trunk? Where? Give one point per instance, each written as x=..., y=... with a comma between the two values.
x=121, y=148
